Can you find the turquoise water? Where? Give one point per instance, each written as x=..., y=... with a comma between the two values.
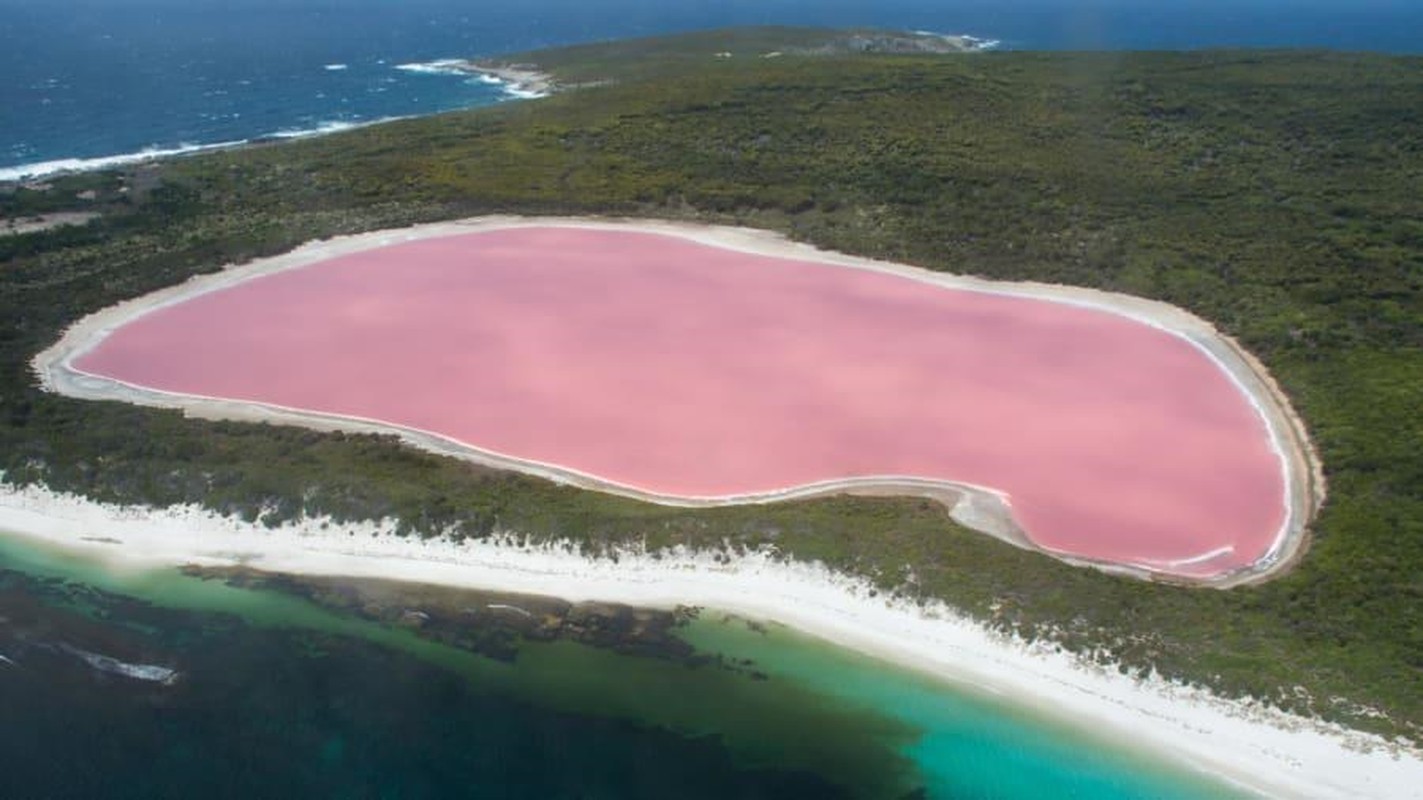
x=817, y=720
x=971, y=745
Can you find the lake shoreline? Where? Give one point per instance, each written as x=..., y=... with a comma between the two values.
x=982, y=508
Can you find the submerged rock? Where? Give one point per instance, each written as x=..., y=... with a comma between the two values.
x=492, y=624
x=151, y=673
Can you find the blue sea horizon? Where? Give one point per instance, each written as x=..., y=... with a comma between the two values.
x=88, y=85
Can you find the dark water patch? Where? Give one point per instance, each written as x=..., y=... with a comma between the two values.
x=334, y=705
x=298, y=677
x=261, y=715
x=492, y=624
x=974, y=744
x=608, y=659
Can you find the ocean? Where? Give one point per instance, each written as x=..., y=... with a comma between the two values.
x=258, y=692
x=89, y=81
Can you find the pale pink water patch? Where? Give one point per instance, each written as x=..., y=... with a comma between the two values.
x=677, y=368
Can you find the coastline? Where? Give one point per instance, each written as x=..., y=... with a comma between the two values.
x=978, y=507
x=1258, y=748
x=520, y=81
x=515, y=82
x=22, y=173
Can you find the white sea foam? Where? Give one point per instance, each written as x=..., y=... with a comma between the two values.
x=46, y=168
x=983, y=44
x=459, y=67
x=443, y=66
x=523, y=94
x=333, y=126
x=974, y=43
x=335, y=67
x=511, y=91
x=42, y=168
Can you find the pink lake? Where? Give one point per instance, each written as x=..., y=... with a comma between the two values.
x=676, y=368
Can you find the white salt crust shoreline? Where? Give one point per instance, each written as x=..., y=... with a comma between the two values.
x=978, y=507
x=1257, y=748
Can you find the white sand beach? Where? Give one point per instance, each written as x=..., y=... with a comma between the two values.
x=1273, y=753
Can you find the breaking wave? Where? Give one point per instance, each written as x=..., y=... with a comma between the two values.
x=42, y=169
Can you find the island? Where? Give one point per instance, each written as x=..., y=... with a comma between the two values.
x=1176, y=195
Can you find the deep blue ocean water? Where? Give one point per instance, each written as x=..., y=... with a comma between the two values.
x=92, y=79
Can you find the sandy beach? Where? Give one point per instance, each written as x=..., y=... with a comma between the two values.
x=978, y=506
x=1261, y=749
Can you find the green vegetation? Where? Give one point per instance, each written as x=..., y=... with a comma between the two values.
x=81, y=191
x=1273, y=193
x=735, y=49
